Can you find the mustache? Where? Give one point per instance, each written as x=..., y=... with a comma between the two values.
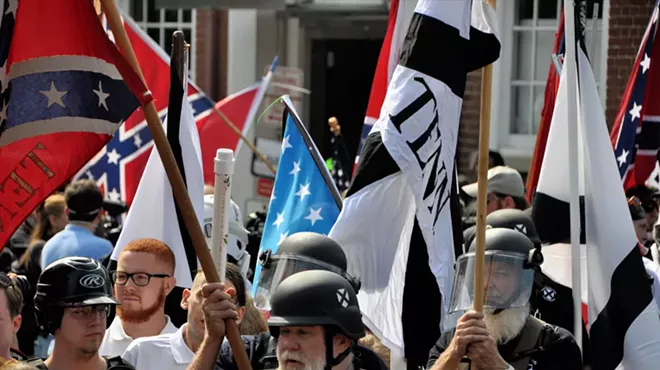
x=293, y=356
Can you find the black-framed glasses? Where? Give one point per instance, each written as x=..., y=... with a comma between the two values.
x=139, y=278
x=86, y=312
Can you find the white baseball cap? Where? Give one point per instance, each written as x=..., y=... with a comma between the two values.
x=502, y=180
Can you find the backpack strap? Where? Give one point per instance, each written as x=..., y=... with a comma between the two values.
x=268, y=360
x=528, y=344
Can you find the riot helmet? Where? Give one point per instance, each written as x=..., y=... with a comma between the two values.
x=511, y=261
x=238, y=235
x=318, y=298
x=509, y=218
x=299, y=252
x=70, y=282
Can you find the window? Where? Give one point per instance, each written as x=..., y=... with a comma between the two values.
x=161, y=23
x=527, y=31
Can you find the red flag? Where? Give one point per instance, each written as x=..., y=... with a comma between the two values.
x=62, y=98
x=639, y=113
x=387, y=62
x=118, y=167
x=552, y=83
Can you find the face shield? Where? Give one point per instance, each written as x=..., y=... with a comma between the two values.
x=508, y=281
x=276, y=268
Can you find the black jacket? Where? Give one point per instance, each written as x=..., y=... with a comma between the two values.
x=555, y=349
x=261, y=352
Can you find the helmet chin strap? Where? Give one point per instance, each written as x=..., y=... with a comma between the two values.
x=330, y=360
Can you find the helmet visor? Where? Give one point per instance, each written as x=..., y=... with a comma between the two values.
x=507, y=283
x=279, y=267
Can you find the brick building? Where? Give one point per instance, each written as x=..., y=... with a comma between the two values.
x=329, y=40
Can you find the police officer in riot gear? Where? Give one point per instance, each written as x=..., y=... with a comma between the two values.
x=505, y=335
x=72, y=301
x=314, y=316
x=298, y=253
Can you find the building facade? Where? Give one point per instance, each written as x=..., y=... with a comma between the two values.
x=335, y=44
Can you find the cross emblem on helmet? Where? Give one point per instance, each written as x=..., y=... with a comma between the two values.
x=342, y=297
x=521, y=228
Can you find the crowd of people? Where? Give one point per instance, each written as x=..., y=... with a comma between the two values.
x=66, y=305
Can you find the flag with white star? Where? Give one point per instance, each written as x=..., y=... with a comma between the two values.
x=636, y=131
x=63, y=93
x=118, y=167
x=304, y=196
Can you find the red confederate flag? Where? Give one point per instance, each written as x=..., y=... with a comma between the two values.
x=65, y=90
x=636, y=134
x=118, y=167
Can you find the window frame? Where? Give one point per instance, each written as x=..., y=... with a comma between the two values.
x=519, y=148
x=125, y=5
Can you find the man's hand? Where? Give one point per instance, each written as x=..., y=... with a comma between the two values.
x=217, y=306
x=469, y=329
x=485, y=356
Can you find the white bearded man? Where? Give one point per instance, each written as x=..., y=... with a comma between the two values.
x=505, y=336
x=143, y=279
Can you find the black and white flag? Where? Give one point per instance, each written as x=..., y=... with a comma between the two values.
x=396, y=224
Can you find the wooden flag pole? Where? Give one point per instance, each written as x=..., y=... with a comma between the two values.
x=176, y=180
x=482, y=183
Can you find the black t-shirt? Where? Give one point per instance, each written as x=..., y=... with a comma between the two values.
x=260, y=349
x=553, y=303
x=560, y=350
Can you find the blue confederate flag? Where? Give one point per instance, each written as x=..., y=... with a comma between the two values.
x=65, y=90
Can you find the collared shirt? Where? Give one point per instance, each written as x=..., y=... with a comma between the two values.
x=115, y=340
x=167, y=351
x=74, y=241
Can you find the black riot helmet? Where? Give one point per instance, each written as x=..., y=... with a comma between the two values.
x=511, y=262
x=299, y=252
x=318, y=298
x=514, y=219
x=70, y=282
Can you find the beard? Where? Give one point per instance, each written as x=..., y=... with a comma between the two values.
x=308, y=363
x=144, y=314
x=507, y=324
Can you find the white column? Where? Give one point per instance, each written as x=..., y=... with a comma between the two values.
x=242, y=72
x=292, y=42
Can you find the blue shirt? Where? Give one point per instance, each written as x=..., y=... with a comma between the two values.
x=74, y=241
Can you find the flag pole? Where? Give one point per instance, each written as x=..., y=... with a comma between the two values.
x=176, y=180
x=482, y=182
x=570, y=64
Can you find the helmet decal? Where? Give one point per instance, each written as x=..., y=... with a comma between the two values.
x=342, y=297
x=522, y=228
x=92, y=281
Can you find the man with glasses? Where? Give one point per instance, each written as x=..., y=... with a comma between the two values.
x=72, y=302
x=143, y=279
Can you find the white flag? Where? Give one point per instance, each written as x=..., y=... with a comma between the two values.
x=153, y=212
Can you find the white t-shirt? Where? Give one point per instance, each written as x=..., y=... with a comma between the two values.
x=115, y=340
x=167, y=351
x=653, y=269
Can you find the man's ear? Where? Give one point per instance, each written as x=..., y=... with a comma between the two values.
x=341, y=343
x=170, y=283
x=16, y=321
x=184, y=299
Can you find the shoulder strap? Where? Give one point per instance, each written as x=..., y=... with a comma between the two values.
x=528, y=343
x=117, y=363
x=37, y=362
x=268, y=360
